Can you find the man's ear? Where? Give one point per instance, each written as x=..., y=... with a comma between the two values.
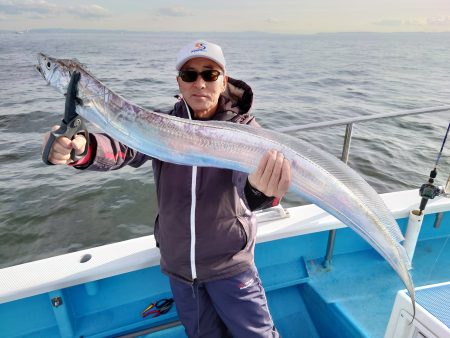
x=225, y=82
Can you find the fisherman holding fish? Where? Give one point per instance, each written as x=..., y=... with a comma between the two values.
x=205, y=229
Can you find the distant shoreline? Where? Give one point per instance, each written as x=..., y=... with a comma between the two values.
x=124, y=31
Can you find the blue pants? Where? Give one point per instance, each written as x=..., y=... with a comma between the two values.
x=231, y=307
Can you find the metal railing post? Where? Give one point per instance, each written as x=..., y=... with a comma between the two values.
x=332, y=234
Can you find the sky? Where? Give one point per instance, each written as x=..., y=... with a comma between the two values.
x=274, y=16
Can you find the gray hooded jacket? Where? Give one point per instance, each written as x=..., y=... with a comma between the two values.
x=204, y=229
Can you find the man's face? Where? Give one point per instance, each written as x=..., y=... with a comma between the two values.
x=200, y=95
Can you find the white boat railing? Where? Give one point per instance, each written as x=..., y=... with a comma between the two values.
x=349, y=122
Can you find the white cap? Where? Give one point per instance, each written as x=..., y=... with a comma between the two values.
x=200, y=48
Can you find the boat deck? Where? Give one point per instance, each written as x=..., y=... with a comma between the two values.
x=104, y=296
x=361, y=287
x=353, y=298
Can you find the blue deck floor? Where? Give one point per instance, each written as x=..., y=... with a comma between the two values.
x=363, y=287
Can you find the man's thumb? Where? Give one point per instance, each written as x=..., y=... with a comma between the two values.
x=79, y=144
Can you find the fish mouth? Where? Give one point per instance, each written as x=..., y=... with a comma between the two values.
x=41, y=72
x=39, y=67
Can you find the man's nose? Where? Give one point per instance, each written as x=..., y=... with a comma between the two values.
x=199, y=82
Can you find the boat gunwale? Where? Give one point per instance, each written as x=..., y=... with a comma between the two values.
x=62, y=271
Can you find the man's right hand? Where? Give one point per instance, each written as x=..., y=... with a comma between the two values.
x=273, y=175
x=60, y=152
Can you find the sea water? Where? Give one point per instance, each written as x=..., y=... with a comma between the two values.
x=296, y=79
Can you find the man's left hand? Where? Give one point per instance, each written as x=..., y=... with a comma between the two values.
x=273, y=175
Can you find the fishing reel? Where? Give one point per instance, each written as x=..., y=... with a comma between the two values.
x=428, y=190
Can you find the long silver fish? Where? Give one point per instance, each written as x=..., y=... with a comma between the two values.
x=316, y=175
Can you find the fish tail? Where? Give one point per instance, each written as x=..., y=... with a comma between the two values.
x=413, y=300
x=412, y=295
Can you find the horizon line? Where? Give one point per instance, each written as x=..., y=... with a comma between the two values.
x=50, y=29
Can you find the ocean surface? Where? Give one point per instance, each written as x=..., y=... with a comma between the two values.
x=52, y=210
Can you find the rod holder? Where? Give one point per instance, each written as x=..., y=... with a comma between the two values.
x=446, y=189
x=412, y=232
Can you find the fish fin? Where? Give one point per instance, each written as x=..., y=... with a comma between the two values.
x=82, y=65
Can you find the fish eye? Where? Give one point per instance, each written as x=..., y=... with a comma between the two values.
x=48, y=64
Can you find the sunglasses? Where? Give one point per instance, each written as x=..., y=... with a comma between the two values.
x=207, y=75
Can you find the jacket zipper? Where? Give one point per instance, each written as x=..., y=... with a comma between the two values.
x=193, y=203
x=193, y=206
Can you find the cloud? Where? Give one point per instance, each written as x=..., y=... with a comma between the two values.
x=388, y=22
x=438, y=20
x=89, y=11
x=43, y=9
x=414, y=22
x=174, y=11
x=398, y=22
x=426, y=21
x=273, y=21
x=29, y=6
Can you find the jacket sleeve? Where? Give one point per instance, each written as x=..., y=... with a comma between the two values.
x=105, y=154
x=254, y=199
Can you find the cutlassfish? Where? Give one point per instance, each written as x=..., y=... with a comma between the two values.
x=317, y=176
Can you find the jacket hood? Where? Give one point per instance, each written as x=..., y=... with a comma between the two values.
x=239, y=95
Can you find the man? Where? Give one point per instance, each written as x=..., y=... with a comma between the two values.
x=205, y=229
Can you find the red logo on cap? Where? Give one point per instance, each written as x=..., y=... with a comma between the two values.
x=198, y=47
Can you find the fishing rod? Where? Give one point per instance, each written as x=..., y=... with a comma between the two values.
x=428, y=190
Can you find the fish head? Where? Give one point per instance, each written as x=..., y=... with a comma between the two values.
x=47, y=67
x=56, y=72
